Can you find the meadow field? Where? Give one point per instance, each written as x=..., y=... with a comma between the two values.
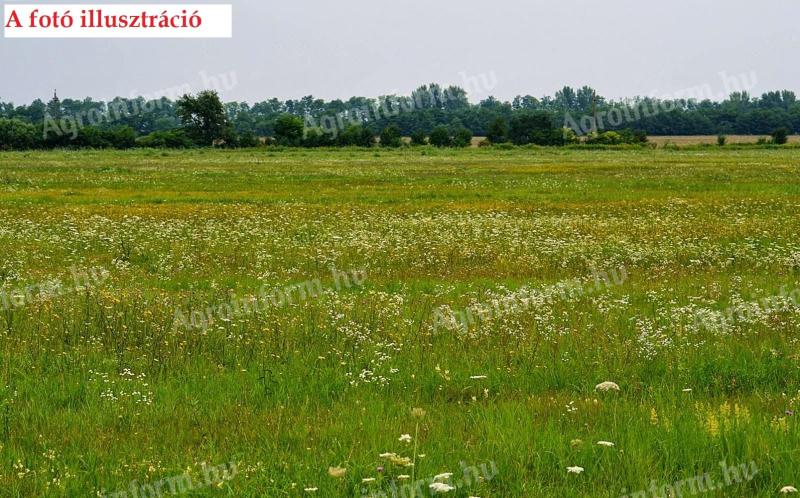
x=420, y=322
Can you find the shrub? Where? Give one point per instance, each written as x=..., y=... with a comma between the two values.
x=17, y=135
x=780, y=136
x=248, y=139
x=121, y=137
x=462, y=137
x=317, y=137
x=172, y=139
x=498, y=131
x=390, y=137
x=356, y=135
x=289, y=130
x=418, y=138
x=721, y=139
x=534, y=128
x=440, y=137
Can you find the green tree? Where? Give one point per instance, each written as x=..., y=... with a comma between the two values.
x=780, y=136
x=440, y=136
x=418, y=138
x=356, y=135
x=203, y=117
x=498, y=131
x=533, y=128
x=462, y=137
x=16, y=135
x=390, y=137
x=289, y=130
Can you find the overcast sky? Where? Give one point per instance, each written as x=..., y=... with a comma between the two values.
x=336, y=49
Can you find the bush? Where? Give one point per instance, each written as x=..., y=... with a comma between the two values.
x=248, y=139
x=440, y=137
x=617, y=137
x=498, y=131
x=390, y=137
x=317, y=137
x=418, y=138
x=780, y=136
x=172, y=139
x=604, y=138
x=17, y=135
x=356, y=135
x=721, y=139
x=462, y=137
x=121, y=137
x=534, y=128
x=289, y=130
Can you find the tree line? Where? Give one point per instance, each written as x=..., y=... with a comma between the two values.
x=441, y=116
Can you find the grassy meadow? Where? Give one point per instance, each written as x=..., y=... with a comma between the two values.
x=353, y=323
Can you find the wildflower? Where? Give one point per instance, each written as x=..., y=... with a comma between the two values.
x=401, y=461
x=788, y=489
x=687, y=390
x=440, y=487
x=417, y=412
x=608, y=444
x=478, y=377
x=575, y=443
x=368, y=479
x=404, y=477
x=336, y=472
x=607, y=386
x=310, y=490
x=379, y=469
x=387, y=455
x=443, y=477
x=405, y=438
x=574, y=470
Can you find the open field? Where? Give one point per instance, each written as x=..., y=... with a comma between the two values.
x=712, y=139
x=683, y=140
x=162, y=311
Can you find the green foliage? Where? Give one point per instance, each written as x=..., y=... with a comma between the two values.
x=17, y=135
x=390, y=137
x=317, y=137
x=534, y=128
x=498, y=131
x=248, y=139
x=356, y=135
x=209, y=122
x=619, y=137
x=440, y=137
x=289, y=130
x=172, y=139
x=418, y=138
x=462, y=137
x=204, y=117
x=780, y=136
x=721, y=140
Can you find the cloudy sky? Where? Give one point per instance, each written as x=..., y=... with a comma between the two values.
x=292, y=48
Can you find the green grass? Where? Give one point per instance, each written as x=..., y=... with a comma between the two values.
x=100, y=387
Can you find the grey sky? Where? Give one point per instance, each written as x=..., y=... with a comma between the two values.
x=371, y=47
